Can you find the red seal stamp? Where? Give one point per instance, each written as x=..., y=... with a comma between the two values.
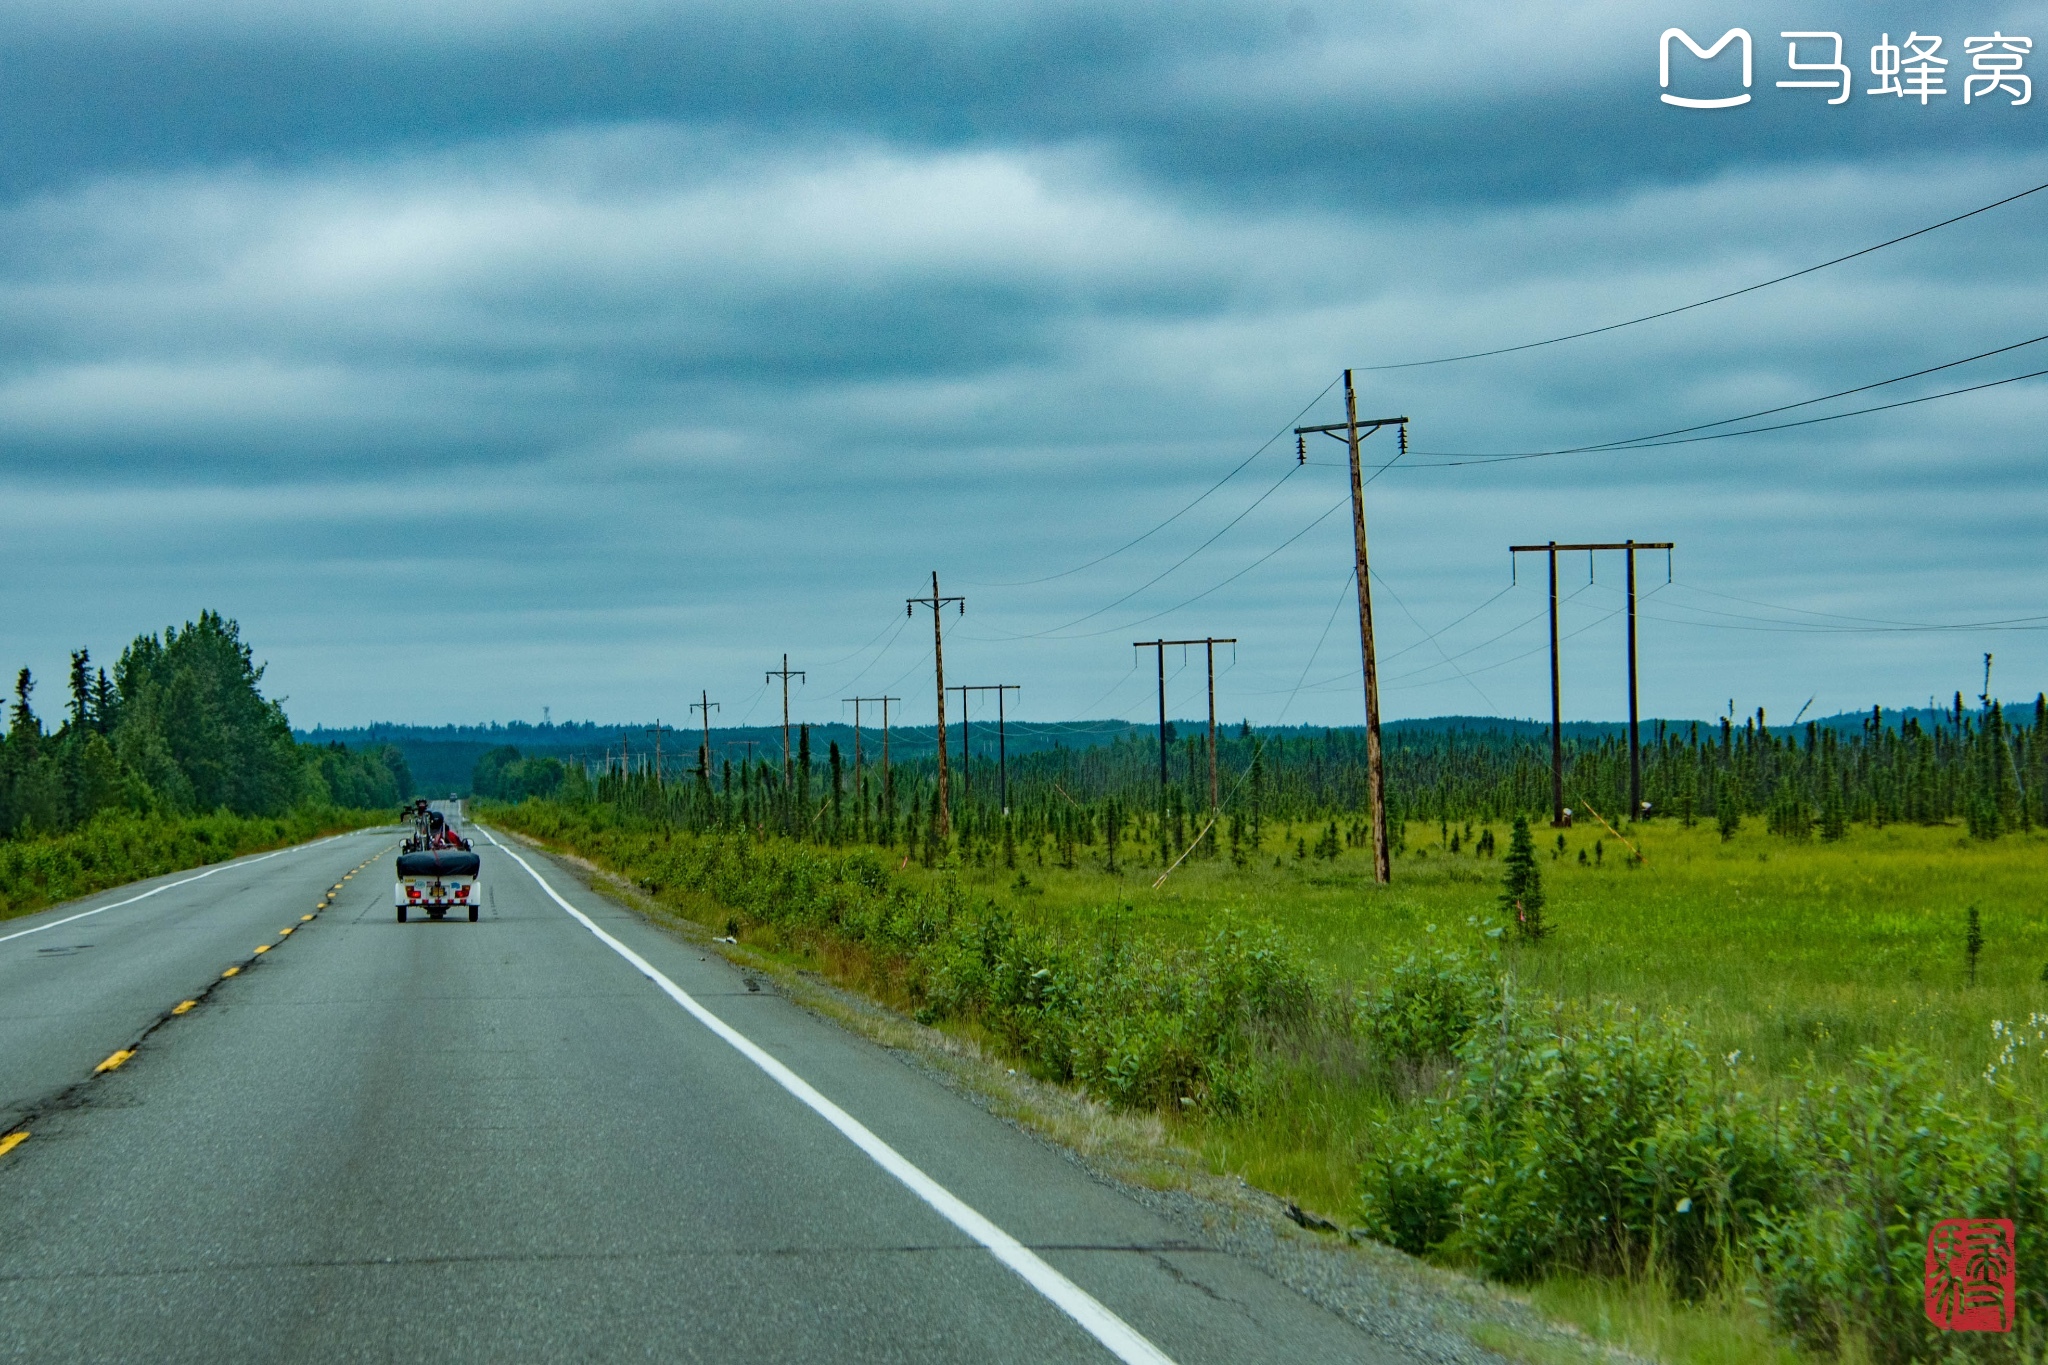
x=1971, y=1270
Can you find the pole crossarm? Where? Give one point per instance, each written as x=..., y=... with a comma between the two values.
x=1601, y=545
x=1155, y=644
x=1344, y=428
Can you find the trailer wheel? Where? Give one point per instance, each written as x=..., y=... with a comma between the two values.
x=401, y=914
x=472, y=914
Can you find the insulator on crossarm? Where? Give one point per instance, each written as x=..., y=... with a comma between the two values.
x=1404, y=438
x=1300, y=448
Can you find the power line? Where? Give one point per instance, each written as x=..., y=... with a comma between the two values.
x=1722, y=436
x=1178, y=563
x=1655, y=438
x=1264, y=446
x=1702, y=303
x=1805, y=611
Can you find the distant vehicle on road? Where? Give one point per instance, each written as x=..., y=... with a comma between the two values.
x=437, y=870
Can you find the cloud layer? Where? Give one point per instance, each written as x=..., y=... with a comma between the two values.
x=504, y=356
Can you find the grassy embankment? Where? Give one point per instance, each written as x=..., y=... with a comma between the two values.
x=118, y=847
x=1793, y=955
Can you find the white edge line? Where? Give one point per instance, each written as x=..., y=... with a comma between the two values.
x=1122, y=1340
x=171, y=886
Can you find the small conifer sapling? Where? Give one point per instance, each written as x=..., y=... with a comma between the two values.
x=1973, y=942
x=1521, y=894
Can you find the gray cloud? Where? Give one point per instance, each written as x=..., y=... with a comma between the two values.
x=641, y=350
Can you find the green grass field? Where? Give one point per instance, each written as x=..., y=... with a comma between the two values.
x=1795, y=955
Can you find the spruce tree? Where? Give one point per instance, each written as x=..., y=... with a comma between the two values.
x=1521, y=894
x=837, y=775
x=81, y=689
x=1728, y=809
x=802, y=815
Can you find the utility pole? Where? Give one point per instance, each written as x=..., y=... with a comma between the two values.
x=1002, y=754
x=1208, y=642
x=888, y=775
x=1375, y=773
x=936, y=602
x=1215, y=800
x=856, y=738
x=707, y=706
x=966, y=754
x=655, y=730
x=1635, y=724
x=785, y=674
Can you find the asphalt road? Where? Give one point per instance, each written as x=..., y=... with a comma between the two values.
x=562, y=1133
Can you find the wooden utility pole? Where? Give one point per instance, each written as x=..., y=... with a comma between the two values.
x=655, y=730
x=1002, y=754
x=936, y=602
x=856, y=742
x=888, y=774
x=1208, y=642
x=785, y=674
x=707, y=706
x=1375, y=772
x=966, y=753
x=1635, y=726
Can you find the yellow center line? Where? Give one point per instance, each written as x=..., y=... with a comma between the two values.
x=12, y=1140
x=263, y=947
x=183, y=1005
x=229, y=972
x=304, y=918
x=114, y=1061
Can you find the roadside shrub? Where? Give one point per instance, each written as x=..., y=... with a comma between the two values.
x=120, y=846
x=1885, y=1155
x=1595, y=1139
x=1427, y=1006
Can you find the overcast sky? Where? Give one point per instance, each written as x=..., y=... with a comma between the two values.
x=480, y=357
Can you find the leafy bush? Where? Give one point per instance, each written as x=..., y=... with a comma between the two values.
x=1428, y=1005
x=1595, y=1139
x=1885, y=1156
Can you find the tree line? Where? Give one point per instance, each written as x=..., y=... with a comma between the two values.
x=1973, y=766
x=180, y=727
